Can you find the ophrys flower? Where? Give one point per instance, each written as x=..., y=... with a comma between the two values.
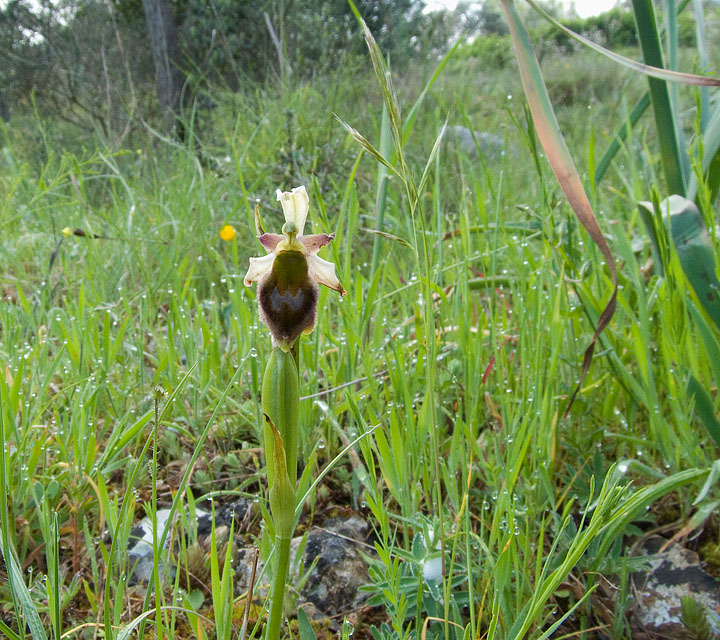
x=288, y=277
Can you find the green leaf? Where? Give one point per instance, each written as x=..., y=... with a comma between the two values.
x=304, y=627
x=674, y=159
x=695, y=251
x=637, y=503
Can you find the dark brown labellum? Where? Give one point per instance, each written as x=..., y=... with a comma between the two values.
x=287, y=297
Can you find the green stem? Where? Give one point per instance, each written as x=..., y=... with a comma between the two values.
x=280, y=401
x=282, y=561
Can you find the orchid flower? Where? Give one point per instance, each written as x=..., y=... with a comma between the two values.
x=289, y=275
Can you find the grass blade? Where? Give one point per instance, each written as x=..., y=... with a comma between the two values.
x=650, y=70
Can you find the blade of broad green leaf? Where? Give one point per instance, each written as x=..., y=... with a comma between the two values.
x=382, y=186
x=620, y=137
x=695, y=251
x=548, y=130
x=671, y=12
x=646, y=69
x=671, y=32
x=703, y=61
x=704, y=408
x=665, y=118
x=20, y=591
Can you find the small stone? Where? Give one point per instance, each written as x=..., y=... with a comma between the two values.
x=674, y=573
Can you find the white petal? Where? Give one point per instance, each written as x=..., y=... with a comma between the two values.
x=323, y=272
x=258, y=268
x=295, y=206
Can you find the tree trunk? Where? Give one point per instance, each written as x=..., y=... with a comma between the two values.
x=166, y=57
x=4, y=105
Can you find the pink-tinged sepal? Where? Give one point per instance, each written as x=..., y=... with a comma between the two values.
x=314, y=243
x=270, y=241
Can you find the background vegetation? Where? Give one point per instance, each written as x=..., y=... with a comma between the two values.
x=459, y=348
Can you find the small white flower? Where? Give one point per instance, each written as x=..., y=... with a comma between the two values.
x=289, y=275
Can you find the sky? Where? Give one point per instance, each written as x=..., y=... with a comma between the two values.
x=584, y=8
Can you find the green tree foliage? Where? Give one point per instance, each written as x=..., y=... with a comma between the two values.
x=88, y=62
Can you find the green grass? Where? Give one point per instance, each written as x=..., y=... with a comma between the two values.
x=459, y=352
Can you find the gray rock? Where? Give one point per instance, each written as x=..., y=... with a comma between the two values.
x=334, y=564
x=140, y=543
x=461, y=137
x=673, y=574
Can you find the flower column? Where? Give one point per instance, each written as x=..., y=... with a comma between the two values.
x=288, y=278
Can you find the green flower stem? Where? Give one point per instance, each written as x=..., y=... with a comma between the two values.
x=282, y=561
x=280, y=402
